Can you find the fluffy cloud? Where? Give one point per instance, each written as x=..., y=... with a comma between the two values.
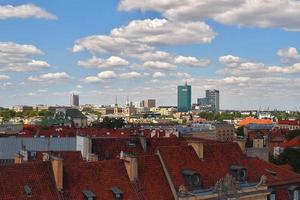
x=153, y=55
x=258, y=13
x=108, y=44
x=24, y=11
x=16, y=57
x=163, y=31
x=50, y=77
x=158, y=75
x=288, y=54
x=4, y=77
x=191, y=61
x=107, y=75
x=113, y=61
x=236, y=66
x=158, y=65
x=130, y=75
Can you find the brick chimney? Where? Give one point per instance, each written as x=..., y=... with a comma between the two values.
x=18, y=158
x=198, y=147
x=131, y=165
x=57, y=168
x=92, y=157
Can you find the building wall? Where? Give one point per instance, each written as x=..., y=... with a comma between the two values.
x=149, y=103
x=225, y=132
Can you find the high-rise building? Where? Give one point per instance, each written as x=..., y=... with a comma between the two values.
x=74, y=100
x=184, y=98
x=150, y=103
x=213, y=99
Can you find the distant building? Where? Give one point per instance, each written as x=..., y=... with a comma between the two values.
x=288, y=124
x=149, y=103
x=21, y=108
x=184, y=98
x=74, y=100
x=211, y=101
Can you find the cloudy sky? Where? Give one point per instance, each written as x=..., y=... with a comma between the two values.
x=248, y=49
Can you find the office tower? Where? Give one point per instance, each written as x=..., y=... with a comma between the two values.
x=213, y=99
x=150, y=103
x=74, y=100
x=184, y=98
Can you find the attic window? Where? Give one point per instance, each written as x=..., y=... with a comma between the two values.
x=294, y=192
x=27, y=190
x=117, y=193
x=239, y=172
x=88, y=195
x=192, y=178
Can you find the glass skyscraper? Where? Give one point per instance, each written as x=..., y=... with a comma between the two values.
x=184, y=98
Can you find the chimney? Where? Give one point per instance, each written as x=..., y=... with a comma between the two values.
x=131, y=165
x=18, y=158
x=198, y=147
x=92, y=157
x=57, y=168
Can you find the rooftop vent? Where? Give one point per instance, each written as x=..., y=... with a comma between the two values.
x=192, y=178
x=117, y=193
x=239, y=172
x=28, y=191
x=88, y=195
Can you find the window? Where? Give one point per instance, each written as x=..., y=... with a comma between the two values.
x=296, y=195
x=239, y=172
x=272, y=196
x=192, y=178
x=88, y=195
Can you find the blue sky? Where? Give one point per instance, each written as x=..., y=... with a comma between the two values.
x=246, y=50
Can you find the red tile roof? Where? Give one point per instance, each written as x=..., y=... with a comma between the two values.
x=37, y=175
x=152, y=180
x=251, y=120
x=67, y=156
x=217, y=160
x=98, y=177
x=295, y=142
x=289, y=122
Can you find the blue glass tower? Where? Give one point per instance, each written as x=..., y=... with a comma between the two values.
x=184, y=98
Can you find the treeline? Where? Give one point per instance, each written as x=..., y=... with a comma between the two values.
x=220, y=116
x=8, y=114
x=109, y=123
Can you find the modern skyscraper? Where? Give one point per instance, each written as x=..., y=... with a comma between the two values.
x=74, y=100
x=213, y=99
x=184, y=98
x=149, y=103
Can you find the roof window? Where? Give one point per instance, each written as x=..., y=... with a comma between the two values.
x=88, y=195
x=192, y=178
x=117, y=193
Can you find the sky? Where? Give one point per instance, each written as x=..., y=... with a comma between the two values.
x=247, y=49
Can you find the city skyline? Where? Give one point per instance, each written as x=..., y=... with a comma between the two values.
x=49, y=50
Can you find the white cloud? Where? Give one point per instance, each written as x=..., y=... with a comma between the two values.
x=107, y=75
x=191, y=61
x=79, y=86
x=93, y=79
x=50, y=77
x=113, y=61
x=158, y=75
x=288, y=54
x=17, y=57
x=163, y=31
x=158, y=65
x=236, y=66
x=258, y=13
x=130, y=75
x=4, y=77
x=153, y=55
x=104, y=44
x=230, y=59
x=234, y=79
x=24, y=11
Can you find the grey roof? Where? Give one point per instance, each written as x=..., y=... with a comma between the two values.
x=9, y=146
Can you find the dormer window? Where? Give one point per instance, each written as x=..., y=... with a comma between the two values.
x=272, y=196
x=239, y=172
x=192, y=178
x=117, y=193
x=88, y=195
x=294, y=192
x=27, y=190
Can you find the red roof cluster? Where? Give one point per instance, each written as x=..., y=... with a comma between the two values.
x=289, y=122
x=36, y=175
x=295, y=142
